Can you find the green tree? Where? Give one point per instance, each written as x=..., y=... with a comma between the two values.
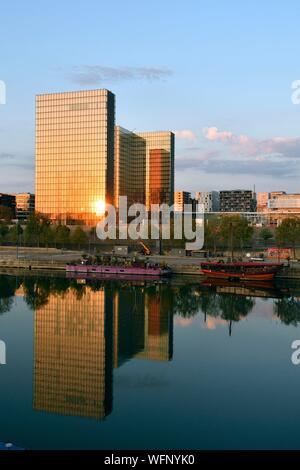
x=213, y=234
x=14, y=233
x=79, y=237
x=265, y=234
x=6, y=213
x=47, y=234
x=35, y=227
x=62, y=235
x=3, y=231
x=288, y=233
x=236, y=231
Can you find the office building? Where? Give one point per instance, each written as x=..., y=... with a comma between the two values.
x=287, y=203
x=262, y=201
x=181, y=198
x=75, y=155
x=83, y=161
x=130, y=167
x=144, y=167
x=9, y=201
x=25, y=204
x=237, y=201
x=160, y=150
x=209, y=199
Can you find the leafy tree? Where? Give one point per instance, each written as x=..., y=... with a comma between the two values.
x=47, y=234
x=62, y=235
x=213, y=233
x=35, y=228
x=288, y=310
x=265, y=234
x=288, y=233
x=6, y=213
x=235, y=231
x=79, y=237
x=14, y=233
x=3, y=231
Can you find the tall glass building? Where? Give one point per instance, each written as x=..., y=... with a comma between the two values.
x=83, y=161
x=144, y=167
x=75, y=155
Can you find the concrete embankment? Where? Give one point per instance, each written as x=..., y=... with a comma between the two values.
x=52, y=259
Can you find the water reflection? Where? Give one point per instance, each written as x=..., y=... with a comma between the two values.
x=84, y=329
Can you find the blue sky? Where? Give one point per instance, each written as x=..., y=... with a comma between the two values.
x=218, y=73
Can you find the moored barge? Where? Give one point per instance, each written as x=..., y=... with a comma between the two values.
x=122, y=271
x=247, y=271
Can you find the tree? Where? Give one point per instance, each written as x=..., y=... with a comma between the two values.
x=265, y=234
x=35, y=228
x=3, y=231
x=14, y=233
x=47, y=234
x=288, y=233
x=235, y=231
x=6, y=213
x=79, y=237
x=62, y=235
x=213, y=234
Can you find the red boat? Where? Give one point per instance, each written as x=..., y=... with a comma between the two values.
x=247, y=271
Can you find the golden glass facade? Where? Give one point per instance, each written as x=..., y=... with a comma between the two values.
x=160, y=149
x=130, y=166
x=73, y=354
x=144, y=167
x=75, y=154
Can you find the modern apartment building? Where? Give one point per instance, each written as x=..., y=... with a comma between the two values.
x=209, y=199
x=237, y=201
x=75, y=154
x=25, y=205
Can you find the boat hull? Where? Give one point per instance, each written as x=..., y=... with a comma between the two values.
x=242, y=276
x=241, y=271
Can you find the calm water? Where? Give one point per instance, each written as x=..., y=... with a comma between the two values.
x=101, y=364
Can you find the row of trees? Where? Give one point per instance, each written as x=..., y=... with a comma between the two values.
x=40, y=232
x=229, y=231
x=234, y=232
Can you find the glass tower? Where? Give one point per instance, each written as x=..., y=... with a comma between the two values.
x=144, y=167
x=75, y=155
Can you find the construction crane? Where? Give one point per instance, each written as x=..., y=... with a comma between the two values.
x=145, y=248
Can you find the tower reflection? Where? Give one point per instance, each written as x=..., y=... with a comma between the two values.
x=73, y=354
x=84, y=331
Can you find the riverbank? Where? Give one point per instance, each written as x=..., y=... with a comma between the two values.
x=53, y=259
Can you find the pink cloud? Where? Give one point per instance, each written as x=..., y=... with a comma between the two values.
x=244, y=145
x=186, y=135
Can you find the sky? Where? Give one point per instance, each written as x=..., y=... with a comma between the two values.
x=219, y=74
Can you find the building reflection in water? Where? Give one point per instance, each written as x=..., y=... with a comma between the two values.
x=73, y=354
x=158, y=326
x=81, y=334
